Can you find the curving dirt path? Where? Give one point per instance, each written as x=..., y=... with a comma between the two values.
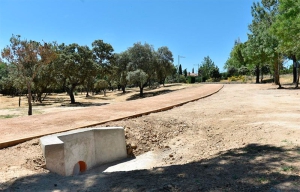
x=244, y=138
x=21, y=129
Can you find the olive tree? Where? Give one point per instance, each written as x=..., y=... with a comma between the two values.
x=139, y=78
x=28, y=57
x=142, y=62
x=75, y=64
x=164, y=64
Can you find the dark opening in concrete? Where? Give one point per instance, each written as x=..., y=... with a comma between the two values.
x=79, y=167
x=82, y=166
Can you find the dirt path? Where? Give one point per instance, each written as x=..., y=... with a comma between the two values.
x=20, y=129
x=245, y=138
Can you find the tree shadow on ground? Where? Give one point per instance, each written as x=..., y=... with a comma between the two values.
x=171, y=85
x=96, y=98
x=65, y=101
x=285, y=87
x=82, y=104
x=126, y=92
x=149, y=94
x=251, y=168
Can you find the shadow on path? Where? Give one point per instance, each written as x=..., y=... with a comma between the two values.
x=83, y=104
x=251, y=168
x=149, y=94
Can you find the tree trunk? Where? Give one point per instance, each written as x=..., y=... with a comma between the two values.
x=294, y=68
x=39, y=97
x=87, y=90
x=257, y=74
x=45, y=96
x=297, y=82
x=261, y=74
x=29, y=99
x=71, y=94
x=72, y=97
x=294, y=74
x=141, y=91
x=123, y=89
x=276, y=74
x=19, y=100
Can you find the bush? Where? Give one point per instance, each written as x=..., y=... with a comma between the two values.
x=204, y=79
x=191, y=79
x=213, y=80
x=198, y=79
x=237, y=78
x=182, y=79
x=224, y=75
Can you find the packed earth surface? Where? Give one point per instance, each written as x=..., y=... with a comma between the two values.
x=243, y=138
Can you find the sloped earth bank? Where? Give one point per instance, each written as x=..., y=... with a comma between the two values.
x=244, y=138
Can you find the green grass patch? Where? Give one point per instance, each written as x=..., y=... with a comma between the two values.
x=7, y=116
x=288, y=168
x=262, y=180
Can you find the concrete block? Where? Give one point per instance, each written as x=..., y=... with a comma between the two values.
x=73, y=152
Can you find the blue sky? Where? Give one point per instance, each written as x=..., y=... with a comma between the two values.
x=190, y=28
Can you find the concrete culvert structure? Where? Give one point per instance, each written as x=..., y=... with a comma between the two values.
x=74, y=152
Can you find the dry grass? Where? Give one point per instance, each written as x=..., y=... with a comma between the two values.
x=284, y=79
x=9, y=106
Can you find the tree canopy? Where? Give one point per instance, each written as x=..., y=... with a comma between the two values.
x=286, y=28
x=262, y=49
x=27, y=58
x=208, y=69
x=40, y=68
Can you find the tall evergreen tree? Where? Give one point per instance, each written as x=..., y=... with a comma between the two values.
x=185, y=72
x=180, y=70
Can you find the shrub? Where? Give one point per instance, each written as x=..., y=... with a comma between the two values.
x=182, y=79
x=213, y=80
x=191, y=79
x=237, y=78
x=198, y=79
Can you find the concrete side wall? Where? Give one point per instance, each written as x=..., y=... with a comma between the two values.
x=78, y=147
x=110, y=145
x=55, y=158
x=93, y=146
